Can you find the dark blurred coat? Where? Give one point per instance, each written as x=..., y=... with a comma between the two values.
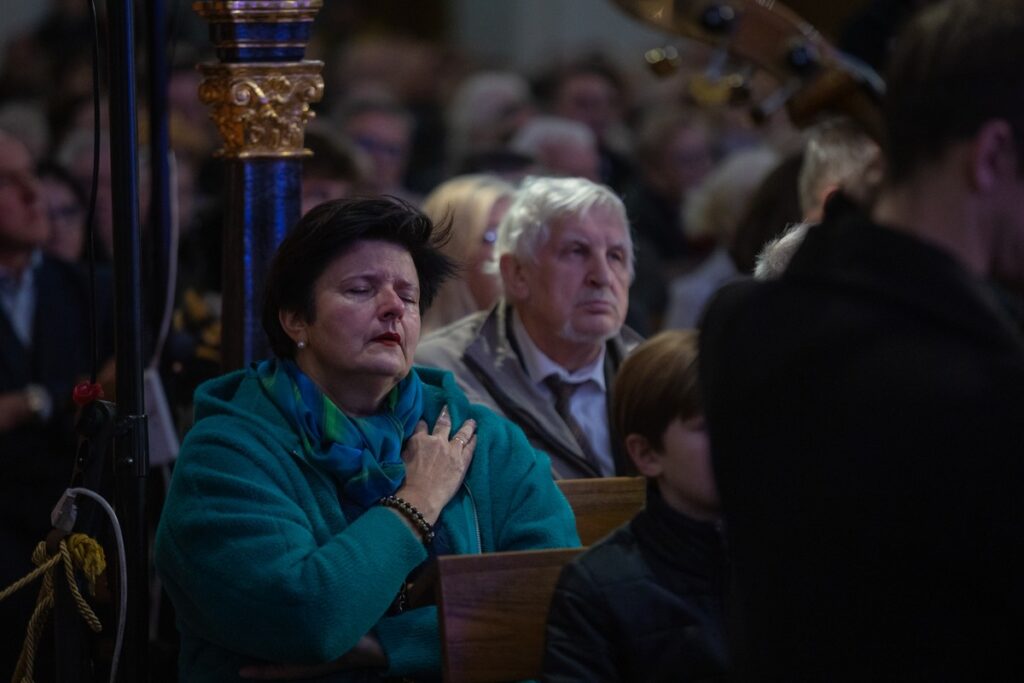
x=644, y=604
x=866, y=415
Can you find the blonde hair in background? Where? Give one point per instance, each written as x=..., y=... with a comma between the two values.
x=466, y=201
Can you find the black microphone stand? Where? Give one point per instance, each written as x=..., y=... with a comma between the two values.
x=131, y=449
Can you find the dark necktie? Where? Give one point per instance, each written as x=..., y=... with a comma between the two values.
x=563, y=392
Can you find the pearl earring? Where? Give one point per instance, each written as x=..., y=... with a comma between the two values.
x=300, y=344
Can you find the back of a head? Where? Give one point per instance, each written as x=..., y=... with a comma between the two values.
x=484, y=112
x=559, y=145
x=504, y=163
x=656, y=384
x=838, y=154
x=541, y=199
x=542, y=130
x=955, y=67
x=484, y=99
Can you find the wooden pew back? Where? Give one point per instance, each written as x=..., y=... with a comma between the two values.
x=601, y=505
x=493, y=610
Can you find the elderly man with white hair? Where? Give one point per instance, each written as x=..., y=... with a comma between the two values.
x=546, y=354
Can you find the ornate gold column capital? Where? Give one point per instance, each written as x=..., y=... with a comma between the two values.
x=261, y=109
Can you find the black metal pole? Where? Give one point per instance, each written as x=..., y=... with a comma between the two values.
x=159, y=228
x=130, y=446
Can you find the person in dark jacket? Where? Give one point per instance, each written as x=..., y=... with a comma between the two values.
x=645, y=603
x=864, y=409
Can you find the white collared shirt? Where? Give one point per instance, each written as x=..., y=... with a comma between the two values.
x=589, y=403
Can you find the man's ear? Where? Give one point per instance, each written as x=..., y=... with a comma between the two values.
x=816, y=213
x=293, y=324
x=643, y=455
x=993, y=155
x=514, y=281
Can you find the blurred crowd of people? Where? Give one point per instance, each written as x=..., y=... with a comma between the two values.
x=589, y=178
x=416, y=120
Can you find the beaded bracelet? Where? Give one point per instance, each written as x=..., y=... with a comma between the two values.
x=414, y=515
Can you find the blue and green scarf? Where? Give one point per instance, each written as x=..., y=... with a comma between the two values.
x=363, y=454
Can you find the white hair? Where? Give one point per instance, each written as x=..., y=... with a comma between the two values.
x=775, y=256
x=838, y=153
x=539, y=200
x=479, y=109
x=543, y=131
x=483, y=98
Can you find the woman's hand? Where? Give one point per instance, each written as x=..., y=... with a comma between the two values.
x=436, y=465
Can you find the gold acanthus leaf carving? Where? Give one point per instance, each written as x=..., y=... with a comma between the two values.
x=262, y=110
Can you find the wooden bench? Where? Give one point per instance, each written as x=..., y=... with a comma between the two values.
x=601, y=505
x=493, y=610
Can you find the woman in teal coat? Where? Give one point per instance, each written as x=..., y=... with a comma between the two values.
x=315, y=484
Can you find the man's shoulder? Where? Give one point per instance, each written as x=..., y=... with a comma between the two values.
x=732, y=299
x=446, y=345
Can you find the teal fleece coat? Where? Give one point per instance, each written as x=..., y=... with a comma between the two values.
x=261, y=565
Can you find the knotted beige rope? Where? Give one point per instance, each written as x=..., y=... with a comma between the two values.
x=77, y=550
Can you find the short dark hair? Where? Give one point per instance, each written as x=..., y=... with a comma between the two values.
x=333, y=156
x=956, y=66
x=330, y=229
x=656, y=384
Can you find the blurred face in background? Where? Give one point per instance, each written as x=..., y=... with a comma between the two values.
x=317, y=190
x=588, y=98
x=385, y=138
x=23, y=224
x=81, y=169
x=483, y=285
x=688, y=159
x=67, y=220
